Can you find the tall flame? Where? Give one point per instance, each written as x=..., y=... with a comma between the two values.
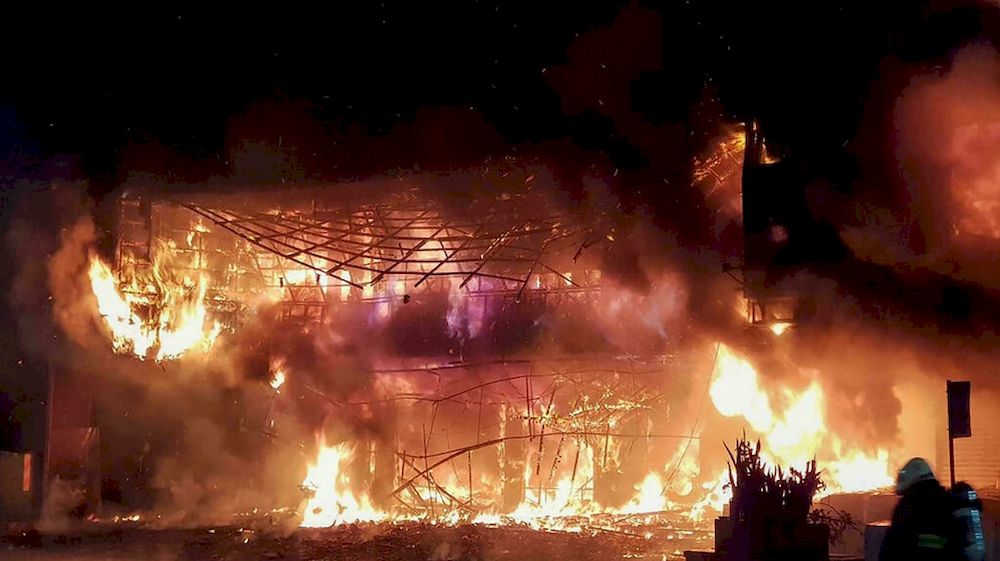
x=333, y=499
x=562, y=499
x=798, y=433
x=129, y=333
x=735, y=390
x=176, y=323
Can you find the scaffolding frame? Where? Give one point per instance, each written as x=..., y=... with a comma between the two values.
x=502, y=242
x=375, y=252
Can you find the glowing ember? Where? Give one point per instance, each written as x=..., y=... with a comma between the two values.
x=277, y=380
x=333, y=499
x=779, y=328
x=278, y=376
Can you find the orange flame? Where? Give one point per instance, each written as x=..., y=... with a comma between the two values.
x=278, y=375
x=333, y=500
x=648, y=497
x=176, y=324
x=797, y=434
x=129, y=332
x=780, y=327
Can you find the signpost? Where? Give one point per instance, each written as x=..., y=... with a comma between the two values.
x=959, y=418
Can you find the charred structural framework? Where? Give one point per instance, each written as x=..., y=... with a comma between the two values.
x=493, y=433
x=371, y=252
x=780, y=237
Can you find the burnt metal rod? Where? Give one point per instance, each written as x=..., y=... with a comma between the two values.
x=447, y=257
x=479, y=423
x=576, y=433
x=498, y=243
x=342, y=235
x=448, y=456
x=694, y=425
x=564, y=277
x=322, y=223
x=406, y=255
x=253, y=241
x=470, y=476
x=527, y=278
x=253, y=236
x=430, y=479
x=426, y=472
x=607, y=441
x=371, y=245
x=499, y=381
x=528, y=408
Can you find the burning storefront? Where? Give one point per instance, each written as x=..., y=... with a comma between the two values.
x=457, y=407
x=383, y=352
x=403, y=356
x=530, y=287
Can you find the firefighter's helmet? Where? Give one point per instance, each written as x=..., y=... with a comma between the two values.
x=915, y=471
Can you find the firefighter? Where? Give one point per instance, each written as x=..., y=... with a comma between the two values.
x=969, y=516
x=923, y=527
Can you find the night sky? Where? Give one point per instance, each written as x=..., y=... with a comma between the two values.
x=166, y=91
x=631, y=90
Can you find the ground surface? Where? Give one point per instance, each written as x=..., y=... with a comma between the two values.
x=383, y=542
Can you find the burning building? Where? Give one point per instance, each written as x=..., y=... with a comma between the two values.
x=484, y=386
x=385, y=351
x=232, y=327
x=414, y=356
